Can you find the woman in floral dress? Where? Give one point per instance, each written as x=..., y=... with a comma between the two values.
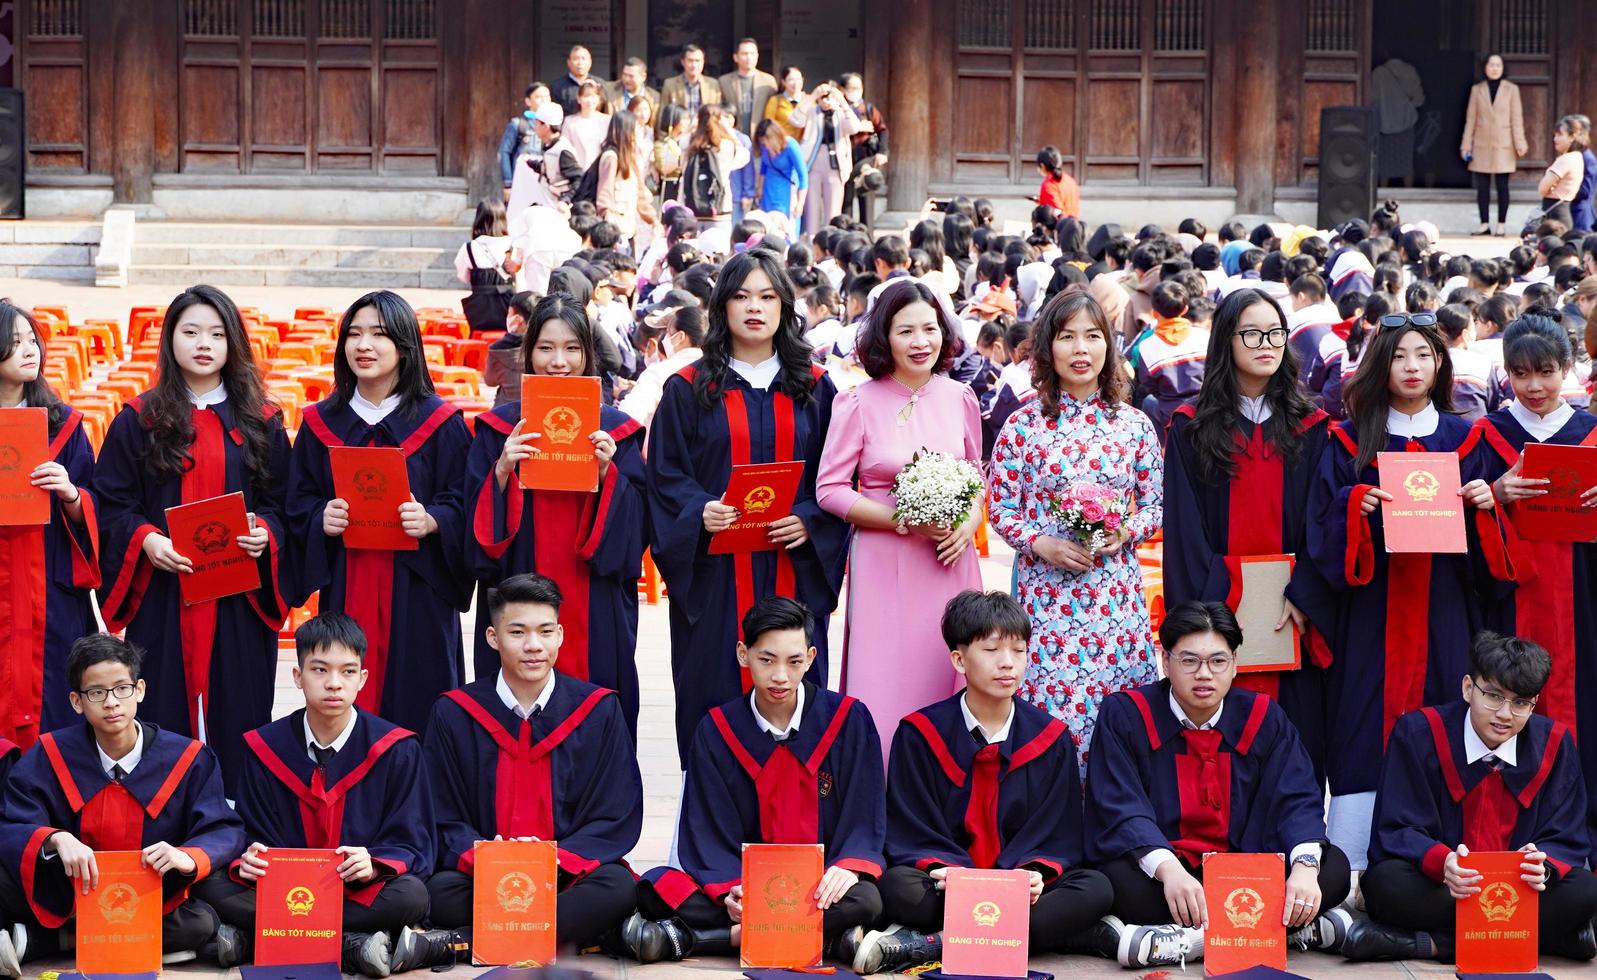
x=1090, y=634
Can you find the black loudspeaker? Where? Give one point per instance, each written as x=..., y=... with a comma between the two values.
x=13, y=154
x=1348, y=139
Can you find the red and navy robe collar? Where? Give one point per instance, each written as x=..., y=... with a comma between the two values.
x=1031, y=734
x=735, y=719
x=1536, y=752
x=571, y=701
x=406, y=426
x=1240, y=718
x=281, y=746
x=1507, y=438
x=75, y=760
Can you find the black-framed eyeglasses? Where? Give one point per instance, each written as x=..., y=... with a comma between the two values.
x=1254, y=338
x=1392, y=321
x=97, y=695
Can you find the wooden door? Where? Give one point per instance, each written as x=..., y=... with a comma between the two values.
x=54, y=57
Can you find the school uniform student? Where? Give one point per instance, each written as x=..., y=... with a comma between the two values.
x=790, y=763
x=1169, y=357
x=1194, y=764
x=48, y=608
x=331, y=775
x=207, y=428
x=112, y=783
x=408, y=603
x=1479, y=774
x=590, y=544
x=982, y=780
x=528, y=753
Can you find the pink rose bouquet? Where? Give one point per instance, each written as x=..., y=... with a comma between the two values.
x=1090, y=512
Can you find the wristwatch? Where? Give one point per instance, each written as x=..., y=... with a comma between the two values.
x=1308, y=861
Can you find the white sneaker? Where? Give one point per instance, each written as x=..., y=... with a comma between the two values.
x=10, y=957
x=1167, y=945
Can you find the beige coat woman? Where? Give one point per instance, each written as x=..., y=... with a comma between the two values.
x=1494, y=129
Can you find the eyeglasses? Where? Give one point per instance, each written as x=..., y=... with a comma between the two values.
x=1393, y=320
x=1218, y=663
x=1494, y=701
x=97, y=695
x=1254, y=338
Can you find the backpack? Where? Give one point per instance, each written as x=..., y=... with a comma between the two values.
x=702, y=188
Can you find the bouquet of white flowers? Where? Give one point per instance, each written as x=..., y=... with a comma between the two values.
x=936, y=488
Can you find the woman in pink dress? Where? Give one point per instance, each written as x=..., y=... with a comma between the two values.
x=894, y=657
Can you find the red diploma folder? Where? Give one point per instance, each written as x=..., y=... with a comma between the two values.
x=1425, y=514
x=299, y=908
x=375, y=482
x=1497, y=927
x=781, y=922
x=513, y=903
x=1558, y=515
x=207, y=533
x=762, y=493
x=1263, y=583
x=1245, y=894
x=24, y=445
x=986, y=922
x=119, y=923
x=564, y=411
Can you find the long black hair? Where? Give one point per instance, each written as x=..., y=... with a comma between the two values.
x=562, y=307
x=795, y=378
x=36, y=393
x=399, y=322
x=1368, y=396
x=166, y=411
x=1214, y=421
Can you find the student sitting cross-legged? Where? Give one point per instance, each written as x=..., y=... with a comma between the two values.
x=982, y=780
x=113, y=783
x=1191, y=765
x=333, y=776
x=528, y=754
x=1480, y=774
x=791, y=763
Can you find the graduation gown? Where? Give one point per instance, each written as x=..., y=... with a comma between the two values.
x=1243, y=786
x=222, y=653
x=691, y=454
x=173, y=795
x=407, y=602
x=1404, y=622
x=46, y=572
x=1210, y=525
x=1013, y=804
x=822, y=786
x=1431, y=800
x=591, y=545
x=10, y=752
x=373, y=794
x=568, y=774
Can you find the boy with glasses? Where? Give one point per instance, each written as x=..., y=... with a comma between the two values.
x=1190, y=765
x=1482, y=774
x=112, y=784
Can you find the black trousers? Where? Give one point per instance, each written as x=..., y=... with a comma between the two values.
x=584, y=909
x=1483, y=196
x=1140, y=899
x=402, y=902
x=859, y=906
x=189, y=926
x=1398, y=893
x=1067, y=906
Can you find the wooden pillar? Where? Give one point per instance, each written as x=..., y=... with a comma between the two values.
x=132, y=56
x=1254, y=108
x=910, y=56
x=492, y=89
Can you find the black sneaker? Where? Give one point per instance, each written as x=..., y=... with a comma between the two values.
x=1327, y=932
x=1102, y=938
x=419, y=950
x=1369, y=941
x=1164, y=945
x=1581, y=946
x=647, y=940
x=228, y=948
x=895, y=948
x=366, y=954
x=845, y=945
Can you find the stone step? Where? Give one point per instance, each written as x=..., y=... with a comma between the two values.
x=224, y=233
x=305, y=256
x=52, y=232
x=181, y=274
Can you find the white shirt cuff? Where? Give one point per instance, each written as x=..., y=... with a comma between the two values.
x=1149, y=863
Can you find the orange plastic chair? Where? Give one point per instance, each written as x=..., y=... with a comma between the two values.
x=461, y=375
x=104, y=341
x=59, y=312
x=294, y=350
x=979, y=539
x=650, y=586
x=313, y=312
x=473, y=354
x=447, y=327
x=125, y=388
x=436, y=355
x=113, y=333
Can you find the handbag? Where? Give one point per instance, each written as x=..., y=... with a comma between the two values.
x=485, y=307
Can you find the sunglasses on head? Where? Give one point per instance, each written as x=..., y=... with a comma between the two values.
x=1394, y=320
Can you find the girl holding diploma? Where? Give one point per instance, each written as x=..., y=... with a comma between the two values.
x=206, y=429
x=407, y=602
x=590, y=544
x=47, y=607
x=1401, y=635
x=1237, y=469
x=754, y=397
x=1554, y=576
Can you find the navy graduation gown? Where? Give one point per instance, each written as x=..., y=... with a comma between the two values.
x=223, y=651
x=1404, y=622
x=373, y=794
x=591, y=545
x=570, y=774
x=822, y=786
x=173, y=795
x=10, y=752
x=46, y=572
x=1014, y=804
x=407, y=602
x=1431, y=800
x=1243, y=786
x=691, y=453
